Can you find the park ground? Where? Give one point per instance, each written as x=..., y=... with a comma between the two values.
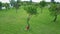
x=15, y=23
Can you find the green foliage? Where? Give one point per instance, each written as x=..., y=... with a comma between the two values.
x=54, y=9
x=31, y=9
x=0, y=5
x=6, y=5
x=17, y=4
x=42, y=3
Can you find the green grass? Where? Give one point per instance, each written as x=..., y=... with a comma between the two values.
x=15, y=23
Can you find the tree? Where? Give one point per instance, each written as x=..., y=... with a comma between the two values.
x=17, y=5
x=12, y=2
x=31, y=10
x=55, y=10
x=6, y=5
x=42, y=4
x=0, y=5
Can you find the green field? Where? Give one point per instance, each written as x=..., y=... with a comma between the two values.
x=15, y=23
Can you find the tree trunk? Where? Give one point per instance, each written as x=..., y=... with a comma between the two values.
x=28, y=19
x=55, y=18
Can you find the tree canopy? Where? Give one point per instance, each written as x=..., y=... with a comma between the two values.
x=31, y=9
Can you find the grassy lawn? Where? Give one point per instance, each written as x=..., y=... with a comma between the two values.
x=15, y=23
